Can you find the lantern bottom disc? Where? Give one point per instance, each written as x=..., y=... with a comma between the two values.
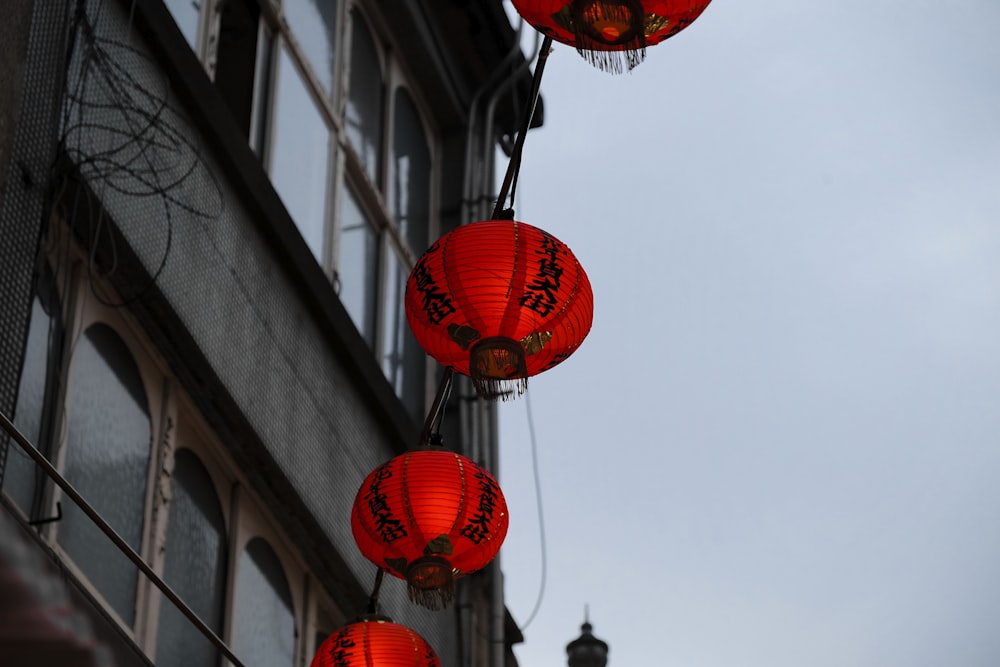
x=498, y=368
x=431, y=582
x=609, y=34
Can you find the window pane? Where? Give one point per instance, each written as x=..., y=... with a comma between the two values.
x=403, y=360
x=236, y=58
x=264, y=623
x=364, y=103
x=186, y=15
x=19, y=481
x=357, y=265
x=299, y=152
x=412, y=173
x=107, y=457
x=314, y=24
x=261, y=90
x=195, y=566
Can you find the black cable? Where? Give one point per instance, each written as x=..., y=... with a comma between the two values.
x=541, y=514
x=373, y=598
x=144, y=151
x=514, y=165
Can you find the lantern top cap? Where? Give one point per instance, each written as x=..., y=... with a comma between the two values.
x=372, y=618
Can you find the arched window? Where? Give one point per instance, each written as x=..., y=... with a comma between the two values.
x=264, y=624
x=22, y=479
x=365, y=99
x=195, y=566
x=107, y=461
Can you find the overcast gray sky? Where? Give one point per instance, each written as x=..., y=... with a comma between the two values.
x=780, y=444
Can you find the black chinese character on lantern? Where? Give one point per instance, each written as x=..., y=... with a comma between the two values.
x=435, y=301
x=389, y=527
x=342, y=652
x=478, y=527
x=540, y=294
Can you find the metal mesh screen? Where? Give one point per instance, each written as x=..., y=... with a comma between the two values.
x=156, y=182
x=32, y=153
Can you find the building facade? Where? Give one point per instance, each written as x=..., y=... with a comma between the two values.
x=209, y=211
x=587, y=650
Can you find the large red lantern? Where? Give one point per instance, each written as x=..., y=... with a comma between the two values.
x=375, y=642
x=430, y=516
x=610, y=34
x=499, y=301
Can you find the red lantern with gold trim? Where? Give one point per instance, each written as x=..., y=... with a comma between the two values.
x=610, y=34
x=499, y=301
x=430, y=516
x=375, y=642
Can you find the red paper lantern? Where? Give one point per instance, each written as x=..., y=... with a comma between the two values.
x=610, y=34
x=499, y=301
x=430, y=517
x=375, y=642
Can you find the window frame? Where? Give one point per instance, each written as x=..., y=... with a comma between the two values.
x=377, y=201
x=83, y=310
x=176, y=423
x=345, y=165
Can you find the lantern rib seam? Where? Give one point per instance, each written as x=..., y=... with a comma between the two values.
x=419, y=541
x=461, y=498
x=511, y=317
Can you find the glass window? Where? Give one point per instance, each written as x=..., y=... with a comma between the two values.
x=186, y=13
x=403, y=360
x=107, y=460
x=195, y=566
x=236, y=58
x=264, y=633
x=314, y=24
x=357, y=265
x=365, y=99
x=299, y=154
x=262, y=90
x=411, y=161
x=20, y=476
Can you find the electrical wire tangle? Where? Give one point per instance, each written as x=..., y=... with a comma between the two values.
x=123, y=140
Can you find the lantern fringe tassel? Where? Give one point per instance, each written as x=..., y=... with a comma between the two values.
x=434, y=599
x=498, y=368
x=609, y=34
x=612, y=62
x=431, y=582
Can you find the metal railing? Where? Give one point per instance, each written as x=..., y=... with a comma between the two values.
x=116, y=539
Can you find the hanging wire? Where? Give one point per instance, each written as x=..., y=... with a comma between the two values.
x=541, y=514
x=436, y=435
x=514, y=165
x=120, y=135
x=373, y=598
x=435, y=415
x=431, y=433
